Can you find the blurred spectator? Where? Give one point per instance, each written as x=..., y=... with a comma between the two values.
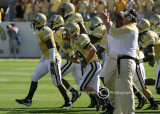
x=13, y=39
x=0, y=16
x=131, y=4
x=92, y=8
x=157, y=7
x=120, y=6
x=82, y=8
x=64, y=1
x=54, y=5
x=140, y=7
x=111, y=8
x=148, y=8
x=75, y=3
x=45, y=7
x=19, y=10
x=101, y=7
x=11, y=14
x=29, y=7
x=37, y=6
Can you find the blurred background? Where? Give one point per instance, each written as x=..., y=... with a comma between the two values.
x=21, y=12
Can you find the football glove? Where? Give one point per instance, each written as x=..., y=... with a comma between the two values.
x=83, y=64
x=52, y=68
x=66, y=46
x=151, y=63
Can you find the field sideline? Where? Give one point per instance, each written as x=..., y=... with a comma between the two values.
x=15, y=77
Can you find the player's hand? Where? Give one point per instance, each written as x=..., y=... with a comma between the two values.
x=52, y=67
x=151, y=63
x=66, y=46
x=137, y=61
x=83, y=63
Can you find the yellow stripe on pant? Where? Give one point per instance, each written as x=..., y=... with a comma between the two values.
x=66, y=66
x=138, y=71
x=89, y=76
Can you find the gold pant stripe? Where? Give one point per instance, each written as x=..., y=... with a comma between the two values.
x=138, y=71
x=89, y=75
x=66, y=66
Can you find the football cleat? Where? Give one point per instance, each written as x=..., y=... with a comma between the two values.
x=25, y=101
x=75, y=96
x=67, y=105
x=92, y=105
x=98, y=105
x=110, y=109
x=152, y=107
x=142, y=102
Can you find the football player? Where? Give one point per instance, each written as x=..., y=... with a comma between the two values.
x=155, y=26
x=50, y=61
x=86, y=54
x=67, y=11
x=96, y=34
x=56, y=23
x=151, y=42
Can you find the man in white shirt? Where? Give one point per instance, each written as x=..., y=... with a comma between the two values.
x=127, y=38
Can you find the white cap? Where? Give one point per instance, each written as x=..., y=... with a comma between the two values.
x=127, y=13
x=124, y=13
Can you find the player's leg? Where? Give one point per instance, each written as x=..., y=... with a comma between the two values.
x=41, y=70
x=66, y=68
x=139, y=79
x=57, y=79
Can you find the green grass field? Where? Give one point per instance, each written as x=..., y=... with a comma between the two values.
x=15, y=75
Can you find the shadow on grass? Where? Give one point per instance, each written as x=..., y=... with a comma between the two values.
x=47, y=110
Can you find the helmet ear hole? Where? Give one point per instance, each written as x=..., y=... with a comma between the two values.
x=129, y=17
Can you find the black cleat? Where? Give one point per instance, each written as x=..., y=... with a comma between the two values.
x=67, y=105
x=152, y=107
x=75, y=96
x=92, y=105
x=142, y=102
x=26, y=102
x=98, y=105
x=110, y=109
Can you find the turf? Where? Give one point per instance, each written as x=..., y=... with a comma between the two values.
x=15, y=75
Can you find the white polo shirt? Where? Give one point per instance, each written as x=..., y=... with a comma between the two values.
x=127, y=40
x=111, y=46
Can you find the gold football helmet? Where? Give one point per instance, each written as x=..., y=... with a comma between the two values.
x=95, y=22
x=71, y=30
x=143, y=25
x=66, y=9
x=154, y=20
x=38, y=21
x=55, y=22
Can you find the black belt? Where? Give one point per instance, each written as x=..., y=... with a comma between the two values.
x=123, y=57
